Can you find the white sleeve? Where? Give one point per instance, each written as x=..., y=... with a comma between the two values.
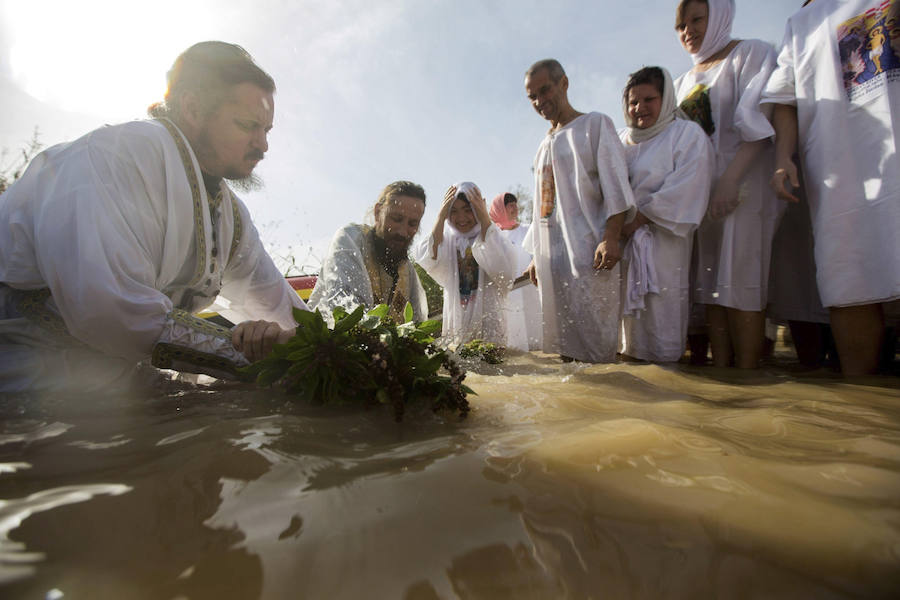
x=441, y=268
x=343, y=280
x=97, y=235
x=750, y=119
x=253, y=285
x=782, y=85
x=680, y=202
x=612, y=169
x=496, y=256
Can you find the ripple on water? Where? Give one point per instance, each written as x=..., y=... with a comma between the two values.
x=15, y=563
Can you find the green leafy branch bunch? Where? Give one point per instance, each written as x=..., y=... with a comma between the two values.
x=365, y=358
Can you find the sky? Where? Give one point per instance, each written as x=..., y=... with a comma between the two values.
x=368, y=92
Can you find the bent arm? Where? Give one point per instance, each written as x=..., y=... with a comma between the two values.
x=784, y=119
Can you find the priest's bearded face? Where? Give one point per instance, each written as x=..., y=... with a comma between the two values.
x=233, y=138
x=397, y=221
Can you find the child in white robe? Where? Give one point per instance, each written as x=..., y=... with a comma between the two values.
x=523, y=305
x=474, y=264
x=670, y=163
x=734, y=242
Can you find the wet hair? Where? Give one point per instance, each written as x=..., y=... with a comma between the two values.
x=400, y=188
x=509, y=199
x=682, y=6
x=209, y=70
x=554, y=69
x=652, y=75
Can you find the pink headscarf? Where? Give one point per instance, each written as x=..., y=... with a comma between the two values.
x=498, y=213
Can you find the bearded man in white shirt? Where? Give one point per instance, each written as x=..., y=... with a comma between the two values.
x=369, y=265
x=109, y=245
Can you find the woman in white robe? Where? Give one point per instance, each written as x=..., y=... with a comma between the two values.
x=670, y=162
x=475, y=265
x=734, y=242
x=523, y=305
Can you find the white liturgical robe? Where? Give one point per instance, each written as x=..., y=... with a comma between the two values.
x=109, y=245
x=351, y=276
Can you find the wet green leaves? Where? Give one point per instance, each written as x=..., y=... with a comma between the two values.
x=489, y=352
x=365, y=358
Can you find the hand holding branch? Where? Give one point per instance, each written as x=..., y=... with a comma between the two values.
x=255, y=339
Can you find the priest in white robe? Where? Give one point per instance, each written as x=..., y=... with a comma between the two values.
x=369, y=265
x=836, y=92
x=112, y=243
x=670, y=166
x=475, y=265
x=582, y=198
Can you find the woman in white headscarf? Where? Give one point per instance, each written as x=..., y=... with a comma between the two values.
x=670, y=163
x=734, y=242
x=475, y=265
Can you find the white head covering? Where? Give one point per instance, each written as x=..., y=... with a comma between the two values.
x=457, y=239
x=668, y=112
x=718, y=29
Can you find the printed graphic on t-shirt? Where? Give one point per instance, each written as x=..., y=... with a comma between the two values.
x=869, y=45
x=697, y=107
x=468, y=276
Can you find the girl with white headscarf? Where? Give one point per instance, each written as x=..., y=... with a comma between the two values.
x=734, y=241
x=475, y=265
x=670, y=162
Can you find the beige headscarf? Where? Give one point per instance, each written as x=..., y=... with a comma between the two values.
x=668, y=112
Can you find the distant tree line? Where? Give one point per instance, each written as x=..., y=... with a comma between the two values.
x=13, y=164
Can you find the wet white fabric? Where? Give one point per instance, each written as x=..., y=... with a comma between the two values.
x=482, y=314
x=718, y=29
x=847, y=112
x=640, y=276
x=581, y=180
x=733, y=253
x=523, y=305
x=115, y=228
x=344, y=280
x=671, y=176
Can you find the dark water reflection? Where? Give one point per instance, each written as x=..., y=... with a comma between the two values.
x=623, y=481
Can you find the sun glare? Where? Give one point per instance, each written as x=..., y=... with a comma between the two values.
x=100, y=57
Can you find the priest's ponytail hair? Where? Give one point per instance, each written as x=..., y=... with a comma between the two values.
x=209, y=70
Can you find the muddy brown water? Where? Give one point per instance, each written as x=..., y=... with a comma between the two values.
x=566, y=481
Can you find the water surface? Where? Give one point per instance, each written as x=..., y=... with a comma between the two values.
x=565, y=481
